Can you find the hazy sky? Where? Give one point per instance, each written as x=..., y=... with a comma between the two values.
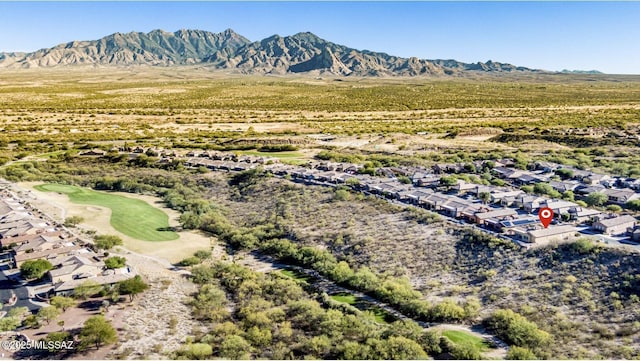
x=546, y=35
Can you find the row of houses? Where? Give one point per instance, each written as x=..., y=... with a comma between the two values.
x=509, y=210
x=27, y=235
x=619, y=190
x=513, y=212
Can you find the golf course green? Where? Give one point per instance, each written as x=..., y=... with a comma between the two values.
x=132, y=217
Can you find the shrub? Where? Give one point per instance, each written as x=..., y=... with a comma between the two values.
x=516, y=330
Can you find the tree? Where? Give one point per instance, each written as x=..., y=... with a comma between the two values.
x=485, y=197
x=341, y=272
x=430, y=342
x=596, y=199
x=351, y=350
x=564, y=173
x=397, y=348
x=614, y=208
x=132, y=287
x=35, y=268
x=9, y=323
x=62, y=302
x=190, y=261
x=516, y=330
x=447, y=310
x=235, y=347
x=365, y=280
x=569, y=196
x=107, y=241
x=342, y=195
x=97, y=331
x=19, y=312
x=48, y=314
x=86, y=289
x=466, y=351
x=190, y=220
x=54, y=338
x=73, y=221
x=115, y=262
x=634, y=205
x=581, y=203
x=448, y=181
x=527, y=189
x=210, y=304
x=197, y=351
x=203, y=254
x=520, y=353
x=542, y=188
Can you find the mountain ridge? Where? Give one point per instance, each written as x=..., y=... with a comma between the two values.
x=303, y=52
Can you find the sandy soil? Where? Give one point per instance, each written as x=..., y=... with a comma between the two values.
x=98, y=219
x=158, y=322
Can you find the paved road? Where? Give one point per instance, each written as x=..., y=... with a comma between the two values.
x=20, y=290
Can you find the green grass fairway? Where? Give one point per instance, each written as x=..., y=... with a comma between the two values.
x=300, y=277
x=287, y=155
x=378, y=314
x=459, y=337
x=133, y=217
x=346, y=298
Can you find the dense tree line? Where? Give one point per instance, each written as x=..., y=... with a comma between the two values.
x=273, y=317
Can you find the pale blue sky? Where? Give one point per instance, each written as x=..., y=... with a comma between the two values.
x=544, y=35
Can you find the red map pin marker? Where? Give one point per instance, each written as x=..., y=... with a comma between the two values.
x=546, y=216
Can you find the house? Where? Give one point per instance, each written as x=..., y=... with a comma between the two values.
x=19, y=240
x=499, y=196
x=94, y=153
x=615, y=225
x=506, y=162
x=558, y=206
x=434, y=201
x=20, y=228
x=581, y=214
x=498, y=214
x=586, y=190
x=580, y=175
x=521, y=221
x=447, y=168
x=529, y=203
x=545, y=167
x=526, y=178
x=75, y=267
x=59, y=250
x=106, y=278
x=429, y=180
x=504, y=172
x=15, y=216
x=10, y=204
x=414, y=196
x=595, y=178
x=546, y=235
x=43, y=247
x=635, y=235
x=564, y=186
x=621, y=196
x=463, y=187
x=455, y=206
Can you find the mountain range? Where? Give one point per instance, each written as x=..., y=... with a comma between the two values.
x=299, y=53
